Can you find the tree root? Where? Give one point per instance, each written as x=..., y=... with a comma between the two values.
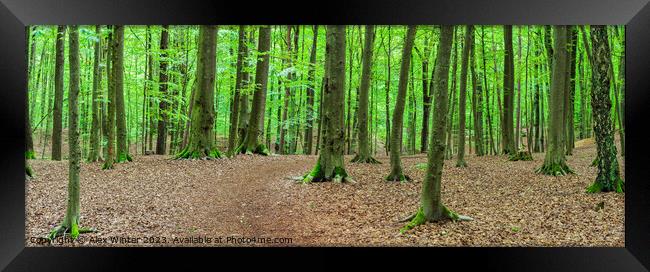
x=124, y=157
x=28, y=170
x=198, y=154
x=400, y=178
x=556, y=169
x=521, y=156
x=261, y=149
x=339, y=175
x=74, y=231
x=418, y=218
x=107, y=166
x=369, y=159
x=618, y=185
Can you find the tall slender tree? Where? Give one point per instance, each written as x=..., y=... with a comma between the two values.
x=555, y=160
x=363, y=153
x=95, y=131
x=234, y=114
x=467, y=48
x=396, y=173
x=70, y=223
x=431, y=207
x=508, y=137
x=161, y=142
x=331, y=164
x=110, y=119
x=57, y=127
x=251, y=143
x=311, y=91
x=118, y=79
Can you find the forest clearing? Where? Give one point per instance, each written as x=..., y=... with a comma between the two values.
x=325, y=135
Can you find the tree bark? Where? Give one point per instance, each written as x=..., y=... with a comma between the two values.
x=396, y=173
x=251, y=143
x=363, y=153
x=309, y=130
x=57, y=127
x=118, y=78
x=555, y=160
x=331, y=165
x=608, y=178
x=462, y=99
x=508, y=94
x=200, y=144
x=161, y=142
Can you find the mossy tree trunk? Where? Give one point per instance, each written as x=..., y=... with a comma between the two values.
x=70, y=223
x=608, y=178
x=396, y=173
x=29, y=140
x=161, y=141
x=95, y=147
x=251, y=143
x=57, y=127
x=201, y=139
x=462, y=99
x=555, y=160
x=311, y=78
x=118, y=79
x=363, y=153
x=234, y=114
x=431, y=207
x=331, y=165
x=110, y=104
x=508, y=93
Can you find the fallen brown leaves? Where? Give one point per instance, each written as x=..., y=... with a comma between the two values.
x=253, y=196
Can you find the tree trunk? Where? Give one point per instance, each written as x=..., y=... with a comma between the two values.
x=200, y=144
x=242, y=53
x=118, y=78
x=508, y=94
x=251, y=143
x=469, y=41
x=426, y=99
x=363, y=154
x=331, y=165
x=110, y=105
x=555, y=160
x=608, y=178
x=309, y=130
x=396, y=173
x=161, y=142
x=70, y=223
x=95, y=147
x=431, y=207
x=57, y=127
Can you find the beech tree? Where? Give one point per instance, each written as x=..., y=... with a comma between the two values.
x=161, y=142
x=555, y=160
x=469, y=41
x=331, y=165
x=70, y=223
x=431, y=207
x=118, y=85
x=396, y=173
x=57, y=127
x=363, y=153
x=251, y=143
x=200, y=145
x=95, y=147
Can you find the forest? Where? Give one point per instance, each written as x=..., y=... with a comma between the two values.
x=326, y=135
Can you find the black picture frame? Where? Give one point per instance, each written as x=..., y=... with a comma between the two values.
x=16, y=14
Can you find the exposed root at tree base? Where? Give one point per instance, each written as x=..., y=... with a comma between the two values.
x=398, y=177
x=107, y=165
x=461, y=164
x=198, y=154
x=521, y=156
x=418, y=218
x=617, y=185
x=369, y=159
x=556, y=169
x=74, y=231
x=261, y=149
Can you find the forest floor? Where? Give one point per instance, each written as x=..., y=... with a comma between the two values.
x=254, y=196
